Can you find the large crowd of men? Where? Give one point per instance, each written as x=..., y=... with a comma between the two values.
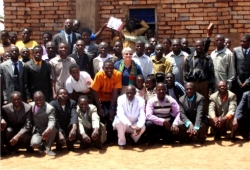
x=70, y=89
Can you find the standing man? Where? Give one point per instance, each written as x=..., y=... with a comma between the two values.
x=177, y=59
x=16, y=123
x=37, y=76
x=25, y=53
x=142, y=59
x=68, y=36
x=51, y=51
x=223, y=61
x=242, y=62
x=46, y=36
x=12, y=75
x=60, y=68
x=44, y=131
x=105, y=87
x=130, y=116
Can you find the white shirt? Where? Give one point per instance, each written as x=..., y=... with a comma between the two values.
x=82, y=85
x=145, y=63
x=101, y=60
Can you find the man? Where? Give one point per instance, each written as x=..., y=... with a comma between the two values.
x=90, y=127
x=143, y=60
x=46, y=36
x=103, y=56
x=105, y=88
x=66, y=120
x=162, y=115
x=12, y=75
x=37, y=76
x=51, y=51
x=242, y=64
x=16, y=123
x=221, y=110
x=83, y=60
x=242, y=116
x=130, y=30
x=153, y=42
x=60, y=68
x=25, y=54
x=68, y=36
x=13, y=38
x=130, y=116
x=223, y=61
x=173, y=88
x=200, y=71
x=44, y=131
x=148, y=49
x=192, y=115
x=160, y=63
x=177, y=59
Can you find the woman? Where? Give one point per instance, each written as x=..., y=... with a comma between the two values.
x=166, y=46
x=128, y=68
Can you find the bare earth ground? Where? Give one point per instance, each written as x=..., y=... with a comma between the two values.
x=212, y=155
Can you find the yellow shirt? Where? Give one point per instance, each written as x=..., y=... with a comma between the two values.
x=30, y=45
x=163, y=65
x=136, y=32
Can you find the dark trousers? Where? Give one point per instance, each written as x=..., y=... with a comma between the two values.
x=244, y=127
x=239, y=91
x=70, y=144
x=89, y=132
x=24, y=140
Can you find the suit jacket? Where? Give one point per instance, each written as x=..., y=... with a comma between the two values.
x=92, y=51
x=218, y=108
x=44, y=118
x=243, y=109
x=65, y=118
x=191, y=50
x=86, y=65
x=22, y=122
x=36, y=78
x=242, y=64
x=96, y=62
x=60, y=37
x=130, y=116
x=8, y=79
x=193, y=113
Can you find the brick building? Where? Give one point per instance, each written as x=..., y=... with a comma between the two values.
x=170, y=18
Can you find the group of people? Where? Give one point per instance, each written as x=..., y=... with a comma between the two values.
x=70, y=89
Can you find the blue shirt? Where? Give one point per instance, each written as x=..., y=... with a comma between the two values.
x=126, y=72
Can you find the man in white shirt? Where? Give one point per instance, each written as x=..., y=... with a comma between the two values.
x=142, y=59
x=130, y=116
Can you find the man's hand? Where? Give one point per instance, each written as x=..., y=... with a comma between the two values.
x=15, y=139
x=111, y=114
x=3, y=124
x=5, y=102
x=54, y=96
x=72, y=134
x=235, y=123
x=95, y=134
x=174, y=129
x=100, y=112
x=167, y=124
x=62, y=139
x=222, y=120
x=86, y=138
x=46, y=134
x=215, y=120
x=137, y=131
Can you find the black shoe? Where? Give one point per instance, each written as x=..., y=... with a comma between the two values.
x=30, y=149
x=131, y=140
x=99, y=146
x=217, y=135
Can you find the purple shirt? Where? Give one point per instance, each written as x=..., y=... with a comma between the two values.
x=44, y=49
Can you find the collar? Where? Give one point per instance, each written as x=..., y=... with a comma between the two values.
x=243, y=50
x=191, y=99
x=163, y=59
x=38, y=63
x=17, y=109
x=136, y=56
x=58, y=58
x=15, y=63
x=195, y=54
x=66, y=35
x=80, y=55
x=100, y=59
x=221, y=51
x=172, y=54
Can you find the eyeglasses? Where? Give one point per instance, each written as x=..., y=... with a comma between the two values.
x=128, y=54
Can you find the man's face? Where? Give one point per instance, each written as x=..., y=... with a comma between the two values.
x=63, y=95
x=176, y=46
x=169, y=79
x=139, y=48
x=139, y=82
x=130, y=93
x=184, y=44
x=108, y=68
x=68, y=25
x=4, y=37
x=153, y=42
x=6, y=56
x=38, y=53
x=63, y=49
x=26, y=35
x=160, y=91
x=150, y=34
x=159, y=50
x=39, y=100
x=80, y=46
x=103, y=49
x=222, y=87
x=150, y=84
x=118, y=47
x=219, y=42
x=189, y=89
x=166, y=44
x=13, y=38
x=199, y=46
x=46, y=38
x=85, y=37
x=75, y=26
x=83, y=105
x=25, y=53
x=228, y=43
x=14, y=53
x=148, y=50
x=75, y=73
x=131, y=25
x=51, y=49
x=16, y=100
x=244, y=43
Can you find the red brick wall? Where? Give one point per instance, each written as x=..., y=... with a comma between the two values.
x=39, y=15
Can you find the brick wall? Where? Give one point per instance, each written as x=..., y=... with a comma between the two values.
x=39, y=15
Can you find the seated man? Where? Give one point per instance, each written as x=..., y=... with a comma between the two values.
x=16, y=124
x=90, y=128
x=130, y=116
x=44, y=131
x=66, y=119
x=221, y=109
x=192, y=115
x=162, y=115
x=242, y=116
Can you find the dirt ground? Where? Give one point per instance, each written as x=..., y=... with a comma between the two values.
x=212, y=155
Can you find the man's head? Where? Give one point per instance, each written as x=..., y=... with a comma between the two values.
x=150, y=33
x=160, y=91
x=14, y=53
x=108, y=68
x=83, y=103
x=199, y=46
x=170, y=79
x=245, y=41
x=76, y=25
x=16, y=99
x=176, y=45
x=47, y=36
x=219, y=41
x=184, y=43
x=68, y=23
x=222, y=87
x=139, y=47
x=166, y=42
x=148, y=49
x=25, y=53
x=26, y=33
x=80, y=46
x=189, y=89
x=51, y=49
x=118, y=46
x=159, y=50
x=74, y=71
x=103, y=49
x=130, y=25
x=39, y=99
x=6, y=56
x=13, y=37
x=150, y=82
x=130, y=92
x=38, y=53
x=62, y=95
x=139, y=81
x=153, y=42
x=86, y=33
x=63, y=50
x=227, y=42
x=5, y=36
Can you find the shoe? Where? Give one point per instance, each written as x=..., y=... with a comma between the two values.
x=217, y=135
x=122, y=147
x=50, y=153
x=99, y=146
x=30, y=149
x=131, y=140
